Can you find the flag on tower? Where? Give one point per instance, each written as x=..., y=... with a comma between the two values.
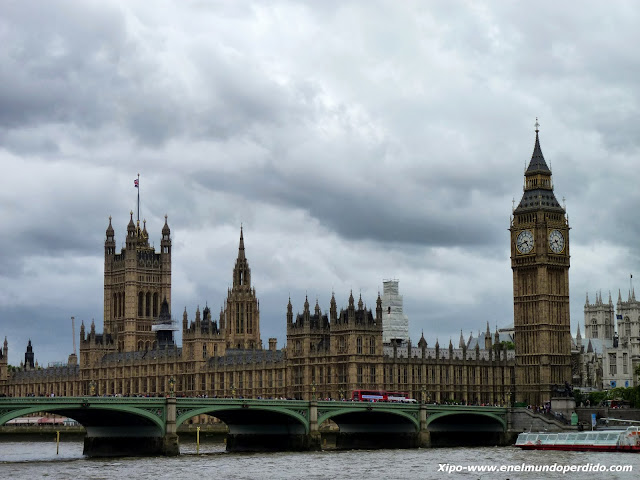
x=135, y=183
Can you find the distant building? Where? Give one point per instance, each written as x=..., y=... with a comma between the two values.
x=395, y=324
x=608, y=356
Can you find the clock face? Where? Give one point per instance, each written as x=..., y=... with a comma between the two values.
x=556, y=241
x=524, y=242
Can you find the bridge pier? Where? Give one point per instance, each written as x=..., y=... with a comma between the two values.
x=123, y=446
x=424, y=437
x=315, y=438
x=170, y=444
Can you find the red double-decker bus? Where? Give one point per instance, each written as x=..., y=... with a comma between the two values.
x=369, y=396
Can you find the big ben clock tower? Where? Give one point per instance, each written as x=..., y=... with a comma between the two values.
x=540, y=263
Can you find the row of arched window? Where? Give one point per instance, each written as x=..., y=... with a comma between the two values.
x=148, y=304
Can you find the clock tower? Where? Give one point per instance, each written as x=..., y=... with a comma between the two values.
x=540, y=263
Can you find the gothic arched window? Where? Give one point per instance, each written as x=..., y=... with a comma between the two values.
x=627, y=326
x=140, y=304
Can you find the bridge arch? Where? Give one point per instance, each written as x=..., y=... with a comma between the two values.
x=459, y=417
x=390, y=413
x=229, y=413
x=89, y=415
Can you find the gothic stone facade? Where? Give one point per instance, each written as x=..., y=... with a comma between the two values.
x=325, y=356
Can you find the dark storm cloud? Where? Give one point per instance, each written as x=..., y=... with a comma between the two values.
x=353, y=142
x=57, y=58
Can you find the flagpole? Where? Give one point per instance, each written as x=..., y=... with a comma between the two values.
x=138, y=199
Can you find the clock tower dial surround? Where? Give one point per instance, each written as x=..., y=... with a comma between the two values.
x=540, y=286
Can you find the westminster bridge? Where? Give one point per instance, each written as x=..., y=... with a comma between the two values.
x=121, y=426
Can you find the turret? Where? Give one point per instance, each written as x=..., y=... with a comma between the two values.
x=579, y=337
x=109, y=243
x=28, y=356
x=333, y=309
x=4, y=354
x=165, y=243
x=289, y=313
x=461, y=343
x=131, y=234
x=487, y=338
x=185, y=320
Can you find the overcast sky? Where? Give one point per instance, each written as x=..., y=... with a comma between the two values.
x=354, y=141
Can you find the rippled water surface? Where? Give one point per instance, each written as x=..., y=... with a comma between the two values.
x=37, y=459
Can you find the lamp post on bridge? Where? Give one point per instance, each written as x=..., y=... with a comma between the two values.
x=172, y=384
x=233, y=391
x=313, y=390
x=341, y=391
x=424, y=393
x=92, y=388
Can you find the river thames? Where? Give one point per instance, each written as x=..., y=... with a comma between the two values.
x=38, y=459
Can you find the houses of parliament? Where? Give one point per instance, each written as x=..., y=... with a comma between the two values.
x=326, y=355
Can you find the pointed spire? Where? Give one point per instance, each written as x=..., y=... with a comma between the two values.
x=610, y=302
x=360, y=302
x=461, y=343
x=241, y=247
x=589, y=347
x=587, y=301
x=166, y=231
x=110, y=232
x=351, y=299
x=537, y=159
x=131, y=227
x=422, y=343
x=619, y=296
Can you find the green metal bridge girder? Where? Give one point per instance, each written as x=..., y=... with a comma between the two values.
x=152, y=409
